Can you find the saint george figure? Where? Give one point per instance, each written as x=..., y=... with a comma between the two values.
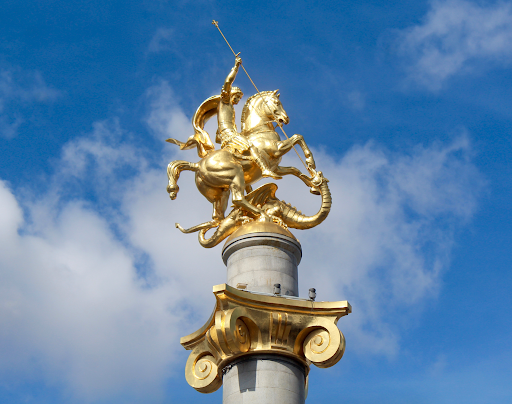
x=227, y=133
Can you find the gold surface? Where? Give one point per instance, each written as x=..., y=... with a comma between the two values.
x=243, y=159
x=245, y=323
x=260, y=227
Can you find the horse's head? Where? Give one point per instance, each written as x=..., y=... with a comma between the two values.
x=262, y=108
x=274, y=108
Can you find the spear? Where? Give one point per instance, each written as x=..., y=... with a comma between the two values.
x=216, y=23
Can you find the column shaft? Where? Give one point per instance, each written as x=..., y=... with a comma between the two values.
x=261, y=260
x=269, y=379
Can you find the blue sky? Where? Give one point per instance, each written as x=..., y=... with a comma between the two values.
x=407, y=108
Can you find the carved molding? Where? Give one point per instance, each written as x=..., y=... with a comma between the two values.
x=245, y=323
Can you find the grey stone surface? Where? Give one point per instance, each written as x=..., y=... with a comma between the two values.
x=261, y=260
x=269, y=379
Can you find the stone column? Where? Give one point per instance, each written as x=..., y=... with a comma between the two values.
x=260, y=343
x=258, y=258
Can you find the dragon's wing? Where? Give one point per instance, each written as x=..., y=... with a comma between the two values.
x=260, y=195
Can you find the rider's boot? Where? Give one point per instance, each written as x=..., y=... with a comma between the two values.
x=265, y=170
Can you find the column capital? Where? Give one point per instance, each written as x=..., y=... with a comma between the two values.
x=246, y=323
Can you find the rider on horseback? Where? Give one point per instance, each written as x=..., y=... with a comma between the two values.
x=227, y=132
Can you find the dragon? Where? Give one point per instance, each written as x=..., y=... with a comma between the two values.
x=279, y=212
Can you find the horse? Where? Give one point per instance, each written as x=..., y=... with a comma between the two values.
x=221, y=171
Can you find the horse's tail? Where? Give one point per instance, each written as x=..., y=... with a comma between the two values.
x=173, y=172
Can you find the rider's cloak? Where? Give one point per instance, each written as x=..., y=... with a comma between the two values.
x=200, y=139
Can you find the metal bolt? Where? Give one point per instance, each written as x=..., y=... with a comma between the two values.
x=277, y=288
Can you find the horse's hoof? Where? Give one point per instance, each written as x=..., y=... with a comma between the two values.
x=173, y=188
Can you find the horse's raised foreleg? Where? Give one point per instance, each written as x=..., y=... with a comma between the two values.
x=285, y=146
x=312, y=181
x=294, y=171
x=173, y=173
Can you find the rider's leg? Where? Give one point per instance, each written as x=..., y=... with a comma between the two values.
x=265, y=169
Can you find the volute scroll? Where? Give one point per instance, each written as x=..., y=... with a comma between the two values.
x=324, y=346
x=202, y=373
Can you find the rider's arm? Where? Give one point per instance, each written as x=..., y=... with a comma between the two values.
x=226, y=88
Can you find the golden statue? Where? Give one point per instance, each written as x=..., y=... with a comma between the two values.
x=243, y=159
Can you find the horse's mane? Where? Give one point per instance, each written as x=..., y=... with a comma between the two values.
x=249, y=101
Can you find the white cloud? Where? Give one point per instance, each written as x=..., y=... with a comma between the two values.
x=96, y=298
x=454, y=36
x=165, y=118
x=105, y=159
x=18, y=89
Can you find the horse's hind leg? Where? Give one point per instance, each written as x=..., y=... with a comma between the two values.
x=218, y=196
x=237, y=194
x=220, y=205
x=173, y=173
